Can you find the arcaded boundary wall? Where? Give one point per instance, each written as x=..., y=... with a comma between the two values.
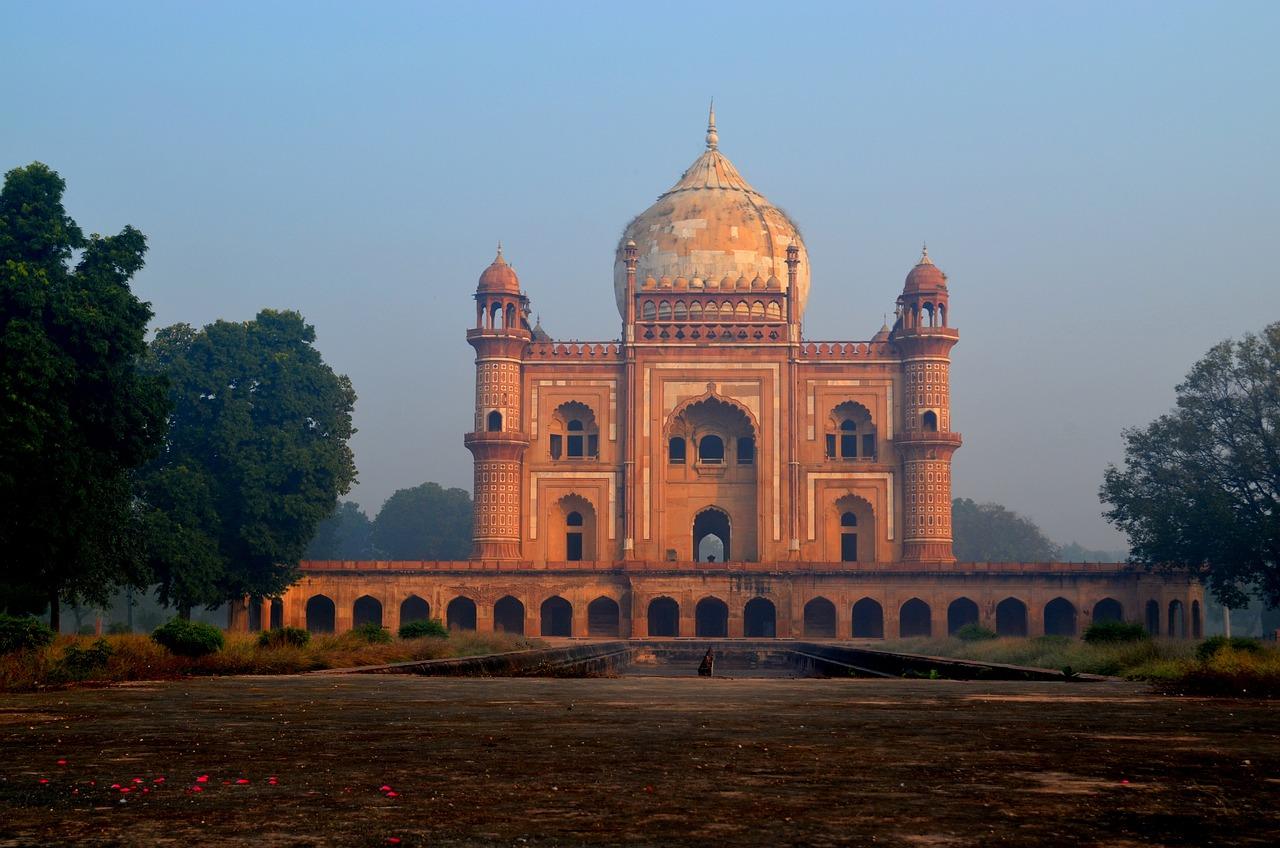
x=787, y=600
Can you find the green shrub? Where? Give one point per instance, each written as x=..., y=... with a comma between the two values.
x=293, y=636
x=1210, y=647
x=18, y=633
x=975, y=632
x=433, y=627
x=373, y=633
x=188, y=638
x=1115, y=631
x=78, y=663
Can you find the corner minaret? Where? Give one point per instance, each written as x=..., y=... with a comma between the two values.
x=499, y=439
x=926, y=443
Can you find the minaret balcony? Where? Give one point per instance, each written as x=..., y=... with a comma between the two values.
x=933, y=438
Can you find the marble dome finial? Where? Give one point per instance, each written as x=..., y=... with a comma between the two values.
x=713, y=138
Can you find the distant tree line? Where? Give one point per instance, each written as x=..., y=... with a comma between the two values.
x=427, y=522
x=989, y=532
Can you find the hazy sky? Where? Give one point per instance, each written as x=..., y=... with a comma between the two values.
x=1101, y=181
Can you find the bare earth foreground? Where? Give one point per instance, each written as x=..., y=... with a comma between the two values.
x=635, y=760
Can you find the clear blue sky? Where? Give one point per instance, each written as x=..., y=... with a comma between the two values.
x=1100, y=180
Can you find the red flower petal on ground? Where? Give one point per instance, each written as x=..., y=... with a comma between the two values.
x=204, y=778
x=393, y=794
x=62, y=762
x=115, y=786
x=137, y=780
x=125, y=790
x=44, y=780
x=196, y=788
x=242, y=781
x=384, y=788
x=393, y=840
x=158, y=780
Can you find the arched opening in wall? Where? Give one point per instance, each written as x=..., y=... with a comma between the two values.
x=276, y=614
x=494, y=422
x=868, y=619
x=927, y=314
x=1107, y=609
x=510, y=322
x=851, y=434
x=664, y=617
x=848, y=526
x=820, y=619
x=648, y=312
x=573, y=519
x=1197, y=627
x=604, y=618
x=676, y=450
x=495, y=316
x=759, y=619
x=915, y=619
x=929, y=421
x=960, y=612
x=664, y=310
x=848, y=537
x=1153, y=618
x=680, y=311
x=1011, y=618
x=695, y=312
x=573, y=537
x=773, y=311
x=414, y=609
x=254, y=610
x=711, y=533
x=461, y=614
x=942, y=314
x=508, y=616
x=1177, y=628
x=746, y=448
x=557, y=617
x=1059, y=618
x=711, y=618
x=573, y=424
x=711, y=450
x=366, y=610
x=321, y=614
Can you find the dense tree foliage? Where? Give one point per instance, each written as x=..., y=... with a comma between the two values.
x=1200, y=486
x=425, y=522
x=255, y=459
x=346, y=534
x=76, y=413
x=988, y=532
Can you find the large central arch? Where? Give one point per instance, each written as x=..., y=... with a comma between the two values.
x=712, y=522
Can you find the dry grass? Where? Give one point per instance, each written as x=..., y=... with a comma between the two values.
x=137, y=657
x=1168, y=663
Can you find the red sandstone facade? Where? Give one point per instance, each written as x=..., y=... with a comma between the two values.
x=714, y=472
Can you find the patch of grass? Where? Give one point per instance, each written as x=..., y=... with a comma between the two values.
x=1115, y=631
x=136, y=657
x=1172, y=665
x=1214, y=644
x=426, y=627
x=974, y=632
x=1057, y=652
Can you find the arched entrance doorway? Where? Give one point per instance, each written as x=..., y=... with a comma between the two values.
x=915, y=619
x=962, y=611
x=1011, y=618
x=414, y=609
x=557, y=617
x=664, y=617
x=1059, y=618
x=868, y=619
x=603, y=617
x=711, y=533
x=711, y=618
x=320, y=614
x=366, y=610
x=461, y=614
x=820, y=619
x=1107, y=609
x=760, y=619
x=508, y=616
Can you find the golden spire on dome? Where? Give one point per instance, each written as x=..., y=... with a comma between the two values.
x=713, y=138
x=499, y=256
x=924, y=255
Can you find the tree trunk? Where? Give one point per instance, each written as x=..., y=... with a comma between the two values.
x=184, y=612
x=55, y=612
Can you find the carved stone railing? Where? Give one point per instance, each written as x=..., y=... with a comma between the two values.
x=575, y=351
x=843, y=350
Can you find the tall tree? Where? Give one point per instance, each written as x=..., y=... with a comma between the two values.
x=425, y=522
x=76, y=412
x=987, y=532
x=1200, y=486
x=255, y=459
x=344, y=535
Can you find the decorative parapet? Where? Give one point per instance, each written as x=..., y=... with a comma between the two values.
x=574, y=351
x=869, y=569
x=844, y=351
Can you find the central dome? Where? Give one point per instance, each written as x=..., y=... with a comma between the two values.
x=712, y=226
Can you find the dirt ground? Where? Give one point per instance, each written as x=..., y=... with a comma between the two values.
x=367, y=760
